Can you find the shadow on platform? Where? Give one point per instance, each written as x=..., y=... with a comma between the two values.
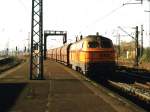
x=9, y=92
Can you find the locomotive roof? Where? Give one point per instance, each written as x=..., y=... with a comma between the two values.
x=96, y=36
x=93, y=37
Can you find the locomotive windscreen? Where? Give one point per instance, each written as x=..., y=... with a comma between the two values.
x=93, y=44
x=106, y=43
x=102, y=44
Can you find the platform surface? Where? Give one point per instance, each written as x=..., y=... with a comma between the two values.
x=63, y=90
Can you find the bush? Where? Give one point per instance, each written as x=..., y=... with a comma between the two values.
x=146, y=55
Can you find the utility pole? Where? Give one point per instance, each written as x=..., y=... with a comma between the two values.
x=25, y=49
x=141, y=50
x=7, y=52
x=28, y=39
x=136, y=46
x=7, y=48
x=16, y=50
x=136, y=43
x=119, y=45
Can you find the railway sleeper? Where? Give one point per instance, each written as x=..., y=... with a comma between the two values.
x=131, y=91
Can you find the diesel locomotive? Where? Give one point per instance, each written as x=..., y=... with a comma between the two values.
x=91, y=55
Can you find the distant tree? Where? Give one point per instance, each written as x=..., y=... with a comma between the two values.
x=146, y=55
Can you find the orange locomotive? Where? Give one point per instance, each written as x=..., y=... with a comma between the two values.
x=91, y=55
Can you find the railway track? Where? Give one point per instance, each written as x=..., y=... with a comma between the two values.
x=4, y=60
x=140, y=77
x=137, y=72
x=7, y=63
x=132, y=86
x=138, y=90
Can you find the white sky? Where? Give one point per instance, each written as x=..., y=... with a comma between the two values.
x=74, y=16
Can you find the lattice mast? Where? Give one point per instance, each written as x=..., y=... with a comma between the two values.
x=36, y=56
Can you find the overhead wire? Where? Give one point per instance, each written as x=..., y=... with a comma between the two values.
x=104, y=17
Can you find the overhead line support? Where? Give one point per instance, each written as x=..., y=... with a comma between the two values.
x=36, y=54
x=53, y=33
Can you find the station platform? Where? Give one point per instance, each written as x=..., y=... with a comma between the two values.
x=63, y=90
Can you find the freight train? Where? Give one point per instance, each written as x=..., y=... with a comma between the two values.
x=91, y=55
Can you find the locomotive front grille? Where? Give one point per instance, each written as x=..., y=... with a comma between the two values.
x=100, y=67
x=101, y=56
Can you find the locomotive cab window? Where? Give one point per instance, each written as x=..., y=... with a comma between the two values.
x=106, y=44
x=93, y=44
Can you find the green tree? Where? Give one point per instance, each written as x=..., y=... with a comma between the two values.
x=146, y=55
